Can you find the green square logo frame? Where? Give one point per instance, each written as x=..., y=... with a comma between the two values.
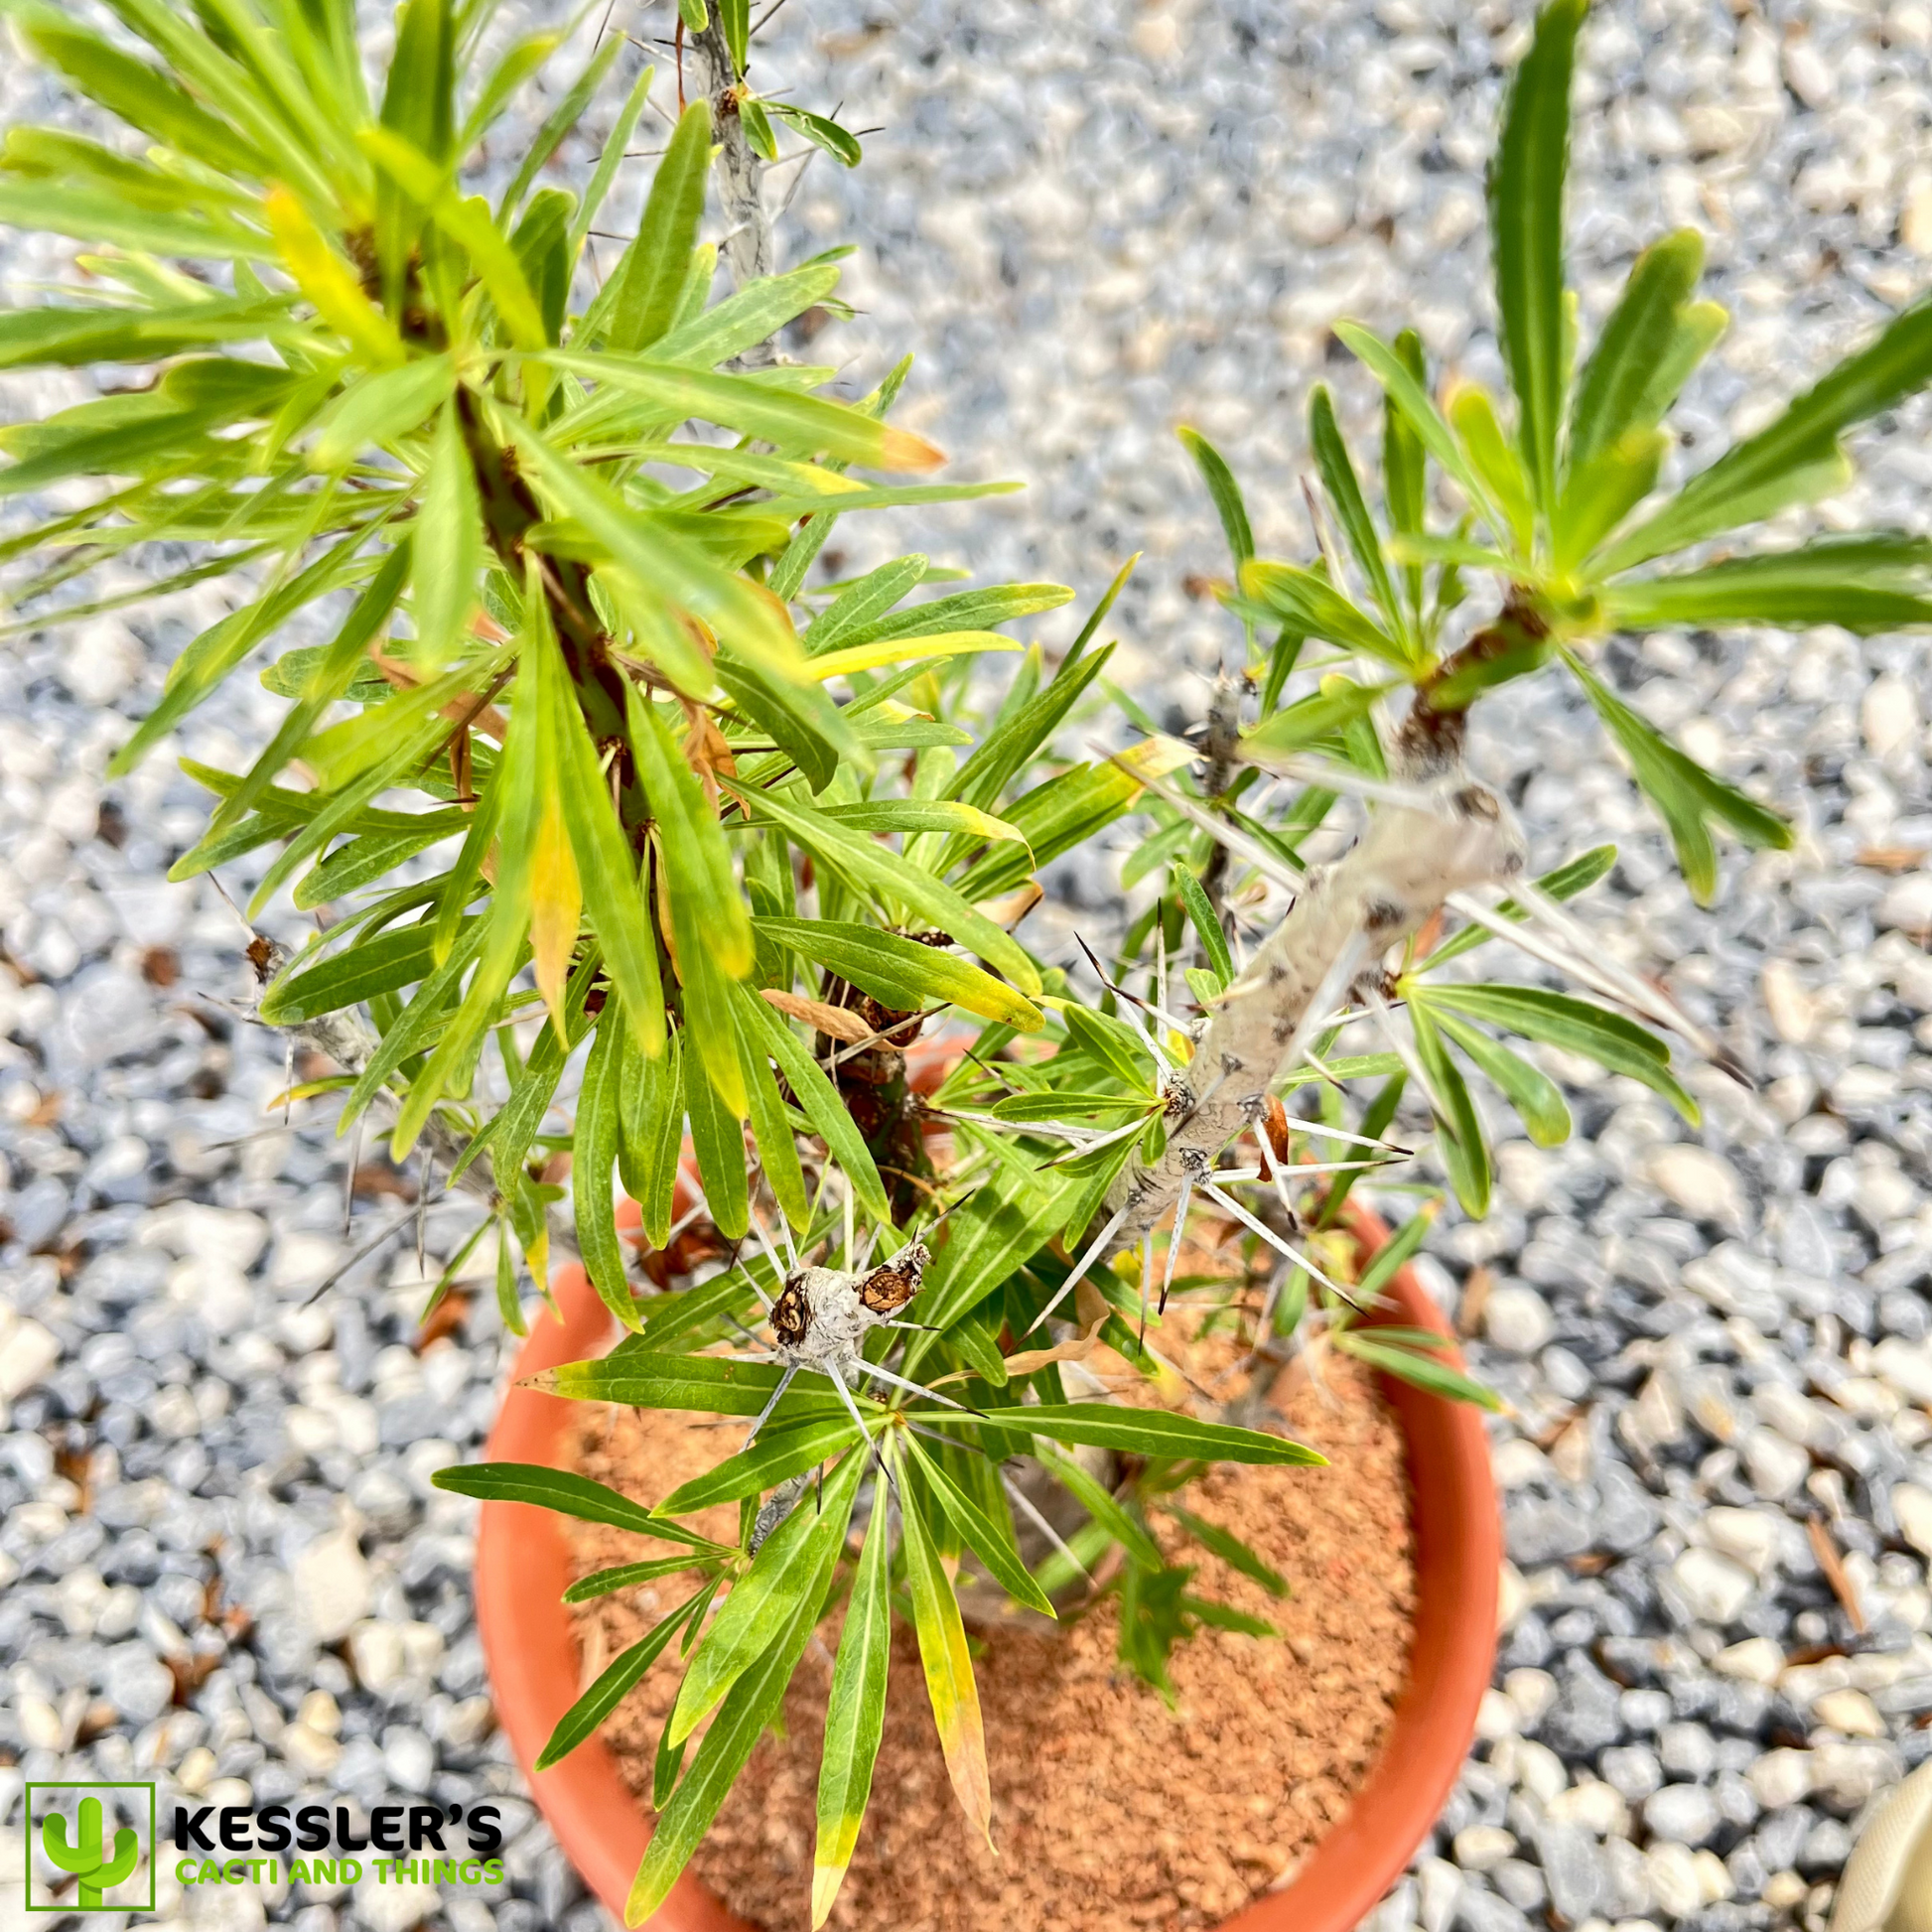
x=96, y=1842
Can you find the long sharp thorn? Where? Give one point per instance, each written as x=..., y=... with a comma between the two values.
x=1321, y=1130
x=779, y=1270
x=1341, y=973
x=1174, y=1238
x=785, y=1382
x=917, y=1388
x=1326, y=776
x=1105, y=1139
x=349, y=1176
x=1080, y=1268
x=1252, y=851
x=1040, y=1522
x=1275, y=1241
x=852, y=1407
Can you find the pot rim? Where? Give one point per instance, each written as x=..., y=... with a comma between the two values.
x=524, y=1567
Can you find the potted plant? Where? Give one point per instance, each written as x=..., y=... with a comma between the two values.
x=666, y=802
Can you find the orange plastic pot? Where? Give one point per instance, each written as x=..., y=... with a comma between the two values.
x=523, y=1567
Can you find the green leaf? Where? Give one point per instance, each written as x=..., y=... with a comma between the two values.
x=1683, y=792
x=559, y=122
x=1578, y=1027
x=784, y=1581
x=756, y=122
x=901, y=973
x=98, y=215
x=840, y=142
x=1796, y=457
x=1530, y=1092
x=1113, y=1045
x=617, y=145
x=386, y=964
x=1345, y=494
x=741, y=613
x=652, y=1093
x=616, y=1681
x=1473, y=417
x=382, y=408
x=1313, y=606
x=1230, y=1549
x=1404, y=481
x=625, y=1575
x=1601, y=493
x=1862, y=582
x=1526, y=184
x=1142, y=1431
x=1414, y=1366
x=1121, y=1523
x=1612, y=394
x=817, y=1099
x=990, y=1539
x=1340, y=703
x=718, y=1138
x=801, y=721
x=449, y=546
x=650, y=277
x=1403, y=386
x=1458, y=1127
x=1224, y=492
x=607, y=865
x=870, y=866
x=708, y=916
x=855, y=1716
x=567, y=1495
x=1202, y=912
x=754, y=1700
x=707, y=1384
x=780, y=1453
x=594, y=1151
x=141, y=95
x=771, y=1130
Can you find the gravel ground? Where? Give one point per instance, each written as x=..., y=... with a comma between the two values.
x=221, y=1563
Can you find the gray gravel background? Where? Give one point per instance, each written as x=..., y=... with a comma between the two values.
x=221, y=1563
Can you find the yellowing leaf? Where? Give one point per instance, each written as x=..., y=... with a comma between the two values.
x=902, y=651
x=325, y=279
x=556, y=907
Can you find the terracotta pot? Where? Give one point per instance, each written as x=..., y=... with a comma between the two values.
x=523, y=1567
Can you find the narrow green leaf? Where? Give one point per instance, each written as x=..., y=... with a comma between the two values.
x=1864, y=583
x=1458, y=1127
x=1224, y=492
x=1473, y=417
x=594, y=1151
x=718, y=1141
x=1213, y=940
x=651, y=1090
x=446, y=587
x=559, y=122
x=855, y=1716
x=616, y=1681
x=1143, y=1432
x=752, y=1703
x=817, y=1099
x=778, y=1586
x=948, y=1665
x=1612, y=392
x=1314, y=605
x=990, y=1539
x=652, y=275
x=1527, y=1088
x=1403, y=479
x=1230, y=1549
x=1578, y=1027
x=1345, y=494
x=1414, y=1366
x=1526, y=185
x=901, y=973
x=567, y=1495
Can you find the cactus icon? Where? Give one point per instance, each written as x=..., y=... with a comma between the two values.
x=86, y=1859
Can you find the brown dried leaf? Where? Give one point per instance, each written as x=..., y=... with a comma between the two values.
x=837, y=1022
